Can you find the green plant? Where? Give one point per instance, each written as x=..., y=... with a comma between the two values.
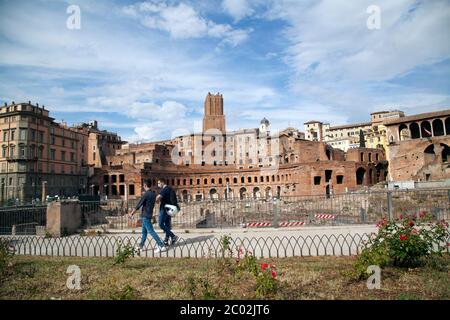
x=225, y=242
x=201, y=288
x=123, y=253
x=48, y=235
x=409, y=241
x=5, y=254
x=126, y=293
x=266, y=282
x=65, y=232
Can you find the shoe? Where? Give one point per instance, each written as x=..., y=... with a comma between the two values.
x=175, y=240
x=160, y=249
x=166, y=242
x=138, y=249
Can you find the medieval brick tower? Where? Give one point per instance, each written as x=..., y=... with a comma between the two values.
x=214, y=117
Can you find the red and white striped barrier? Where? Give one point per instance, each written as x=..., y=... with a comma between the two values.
x=270, y=224
x=292, y=223
x=324, y=216
x=257, y=224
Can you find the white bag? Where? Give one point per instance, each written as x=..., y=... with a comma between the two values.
x=171, y=210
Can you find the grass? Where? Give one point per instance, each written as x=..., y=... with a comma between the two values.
x=28, y=277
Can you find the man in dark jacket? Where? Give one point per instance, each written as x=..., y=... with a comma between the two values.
x=166, y=196
x=147, y=202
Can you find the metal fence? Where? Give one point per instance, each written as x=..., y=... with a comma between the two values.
x=338, y=209
x=197, y=247
x=22, y=220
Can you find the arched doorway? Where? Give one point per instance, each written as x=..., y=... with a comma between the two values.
x=242, y=193
x=445, y=153
x=360, y=176
x=268, y=192
x=256, y=193
x=213, y=195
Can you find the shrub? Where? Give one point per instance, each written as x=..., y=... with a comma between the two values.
x=126, y=293
x=266, y=281
x=5, y=255
x=123, y=253
x=405, y=242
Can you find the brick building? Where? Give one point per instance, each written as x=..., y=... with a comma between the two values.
x=39, y=157
x=419, y=147
x=254, y=162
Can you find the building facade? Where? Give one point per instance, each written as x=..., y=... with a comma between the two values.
x=240, y=164
x=418, y=147
x=39, y=157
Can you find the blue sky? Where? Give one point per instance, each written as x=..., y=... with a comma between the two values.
x=143, y=69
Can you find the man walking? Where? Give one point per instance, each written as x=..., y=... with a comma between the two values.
x=166, y=196
x=147, y=202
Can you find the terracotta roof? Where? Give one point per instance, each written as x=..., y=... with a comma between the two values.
x=416, y=117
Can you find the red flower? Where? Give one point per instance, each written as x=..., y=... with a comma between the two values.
x=411, y=223
x=403, y=237
x=401, y=216
x=274, y=274
x=264, y=266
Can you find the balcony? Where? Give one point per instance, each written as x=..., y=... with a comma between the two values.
x=21, y=158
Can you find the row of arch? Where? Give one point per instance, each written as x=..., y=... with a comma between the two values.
x=230, y=194
x=227, y=180
x=424, y=129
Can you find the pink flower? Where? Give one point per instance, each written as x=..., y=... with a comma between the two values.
x=401, y=216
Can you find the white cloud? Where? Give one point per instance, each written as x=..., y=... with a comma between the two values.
x=183, y=22
x=238, y=9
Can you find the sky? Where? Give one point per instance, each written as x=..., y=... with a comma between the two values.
x=143, y=68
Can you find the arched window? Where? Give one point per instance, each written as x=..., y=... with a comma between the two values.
x=360, y=175
x=403, y=132
x=438, y=127
x=425, y=128
x=205, y=181
x=220, y=180
x=414, y=130
x=234, y=180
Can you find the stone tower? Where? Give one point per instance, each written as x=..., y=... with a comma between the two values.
x=214, y=117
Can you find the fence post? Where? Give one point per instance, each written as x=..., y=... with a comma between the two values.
x=389, y=205
x=275, y=217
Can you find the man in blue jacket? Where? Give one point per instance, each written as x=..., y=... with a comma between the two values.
x=147, y=202
x=166, y=196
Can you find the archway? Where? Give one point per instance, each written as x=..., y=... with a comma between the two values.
x=425, y=129
x=256, y=193
x=268, y=192
x=438, y=127
x=445, y=153
x=213, y=195
x=414, y=130
x=360, y=176
x=403, y=132
x=242, y=193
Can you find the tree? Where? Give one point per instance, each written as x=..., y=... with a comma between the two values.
x=362, y=142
